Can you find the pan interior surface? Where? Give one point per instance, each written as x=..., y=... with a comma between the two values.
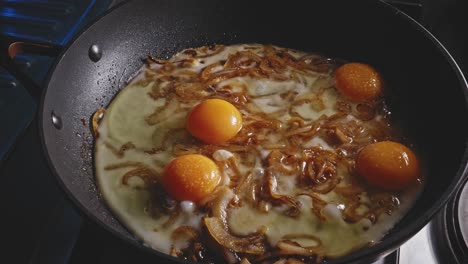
x=423, y=85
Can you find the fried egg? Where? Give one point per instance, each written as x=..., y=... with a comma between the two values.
x=251, y=149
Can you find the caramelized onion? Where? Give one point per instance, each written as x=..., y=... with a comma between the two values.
x=191, y=91
x=209, y=70
x=317, y=204
x=219, y=205
x=243, y=183
x=252, y=244
x=316, y=63
x=365, y=111
x=152, y=59
x=316, y=169
x=216, y=225
x=97, y=116
x=244, y=261
x=293, y=203
x=163, y=113
x=288, y=247
x=144, y=173
x=125, y=164
x=208, y=51
x=277, y=160
x=125, y=147
x=228, y=74
x=289, y=261
x=242, y=59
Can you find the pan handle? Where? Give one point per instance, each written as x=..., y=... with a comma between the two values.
x=11, y=47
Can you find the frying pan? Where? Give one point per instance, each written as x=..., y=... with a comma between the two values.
x=427, y=94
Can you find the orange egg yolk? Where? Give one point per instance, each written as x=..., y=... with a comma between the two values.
x=358, y=82
x=190, y=177
x=388, y=165
x=214, y=121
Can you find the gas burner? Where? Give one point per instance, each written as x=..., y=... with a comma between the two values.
x=449, y=230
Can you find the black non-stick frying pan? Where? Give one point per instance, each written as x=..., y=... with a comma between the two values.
x=426, y=91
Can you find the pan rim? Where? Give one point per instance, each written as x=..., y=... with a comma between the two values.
x=83, y=210
x=387, y=245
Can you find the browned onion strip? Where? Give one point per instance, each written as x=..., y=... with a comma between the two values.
x=149, y=74
x=208, y=71
x=125, y=147
x=190, y=52
x=244, y=261
x=293, y=203
x=150, y=59
x=320, y=167
x=301, y=130
x=232, y=163
x=252, y=244
x=276, y=160
x=381, y=203
x=365, y=111
x=185, y=75
x=272, y=124
x=316, y=63
x=144, y=173
x=97, y=116
x=328, y=186
x=180, y=150
x=306, y=99
x=350, y=215
x=210, y=51
x=119, y=153
x=238, y=98
x=184, y=63
x=219, y=205
x=342, y=137
x=217, y=227
x=304, y=236
x=162, y=113
x=273, y=146
x=228, y=74
x=271, y=62
x=114, y=150
x=289, y=261
x=122, y=165
x=167, y=68
x=242, y=59
x=288, y=247
x=236, y=148
x=349, y=191
x=191, y=91
x=317, y=204
x=243, y=183
x=296, y=122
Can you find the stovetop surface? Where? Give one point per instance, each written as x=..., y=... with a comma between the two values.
x=41, y=222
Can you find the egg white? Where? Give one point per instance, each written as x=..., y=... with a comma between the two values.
x=124, y=121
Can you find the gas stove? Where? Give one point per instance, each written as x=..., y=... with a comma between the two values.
x=46, y=228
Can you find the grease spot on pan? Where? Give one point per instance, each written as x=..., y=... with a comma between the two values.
x=95, y=53
x=56, y=120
